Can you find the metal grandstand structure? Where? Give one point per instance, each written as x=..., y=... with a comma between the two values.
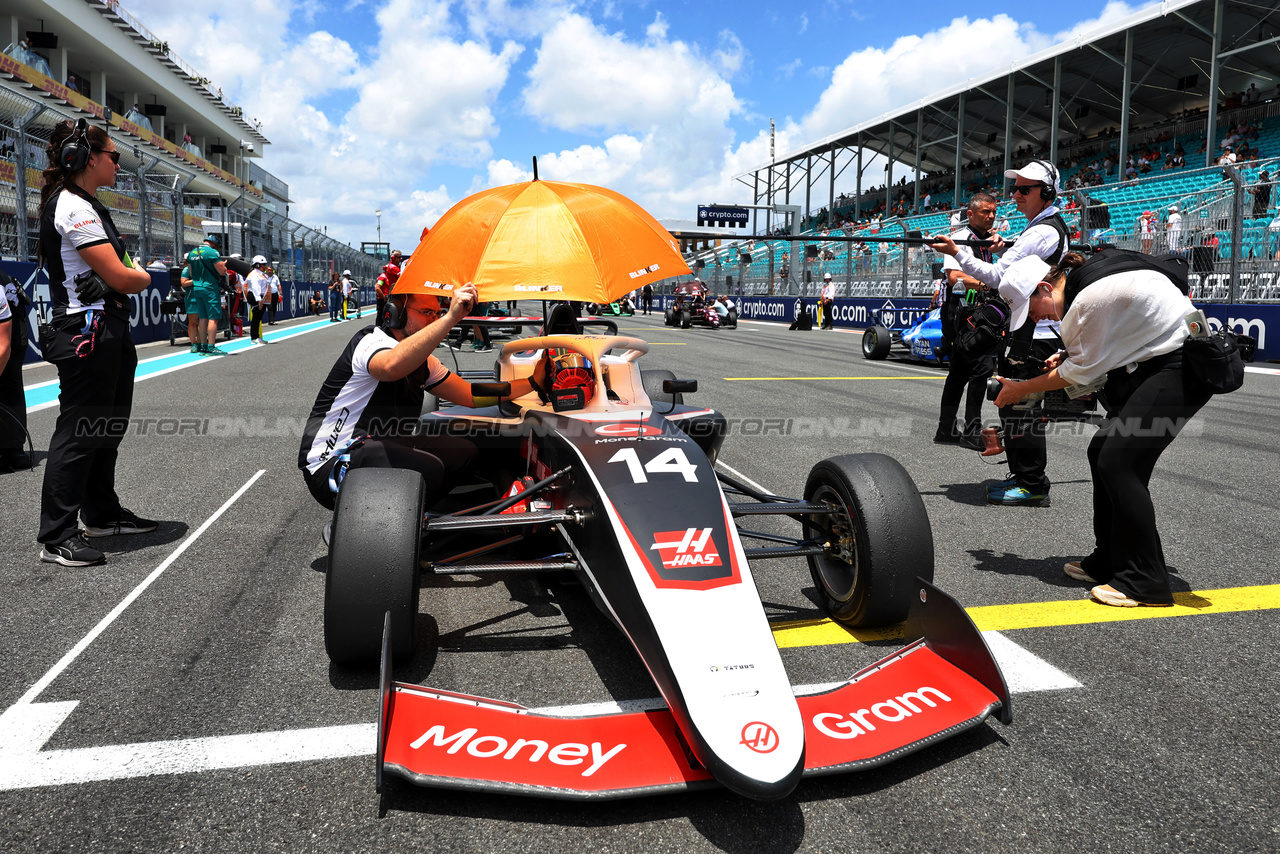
x=1160, y=78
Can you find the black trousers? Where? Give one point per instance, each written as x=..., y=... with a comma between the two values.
x=95, y=400
x=1024, y=429
x=1144, y=416
x=382, y=307
x=271, y=309
x=439, y=459
x=964, y=371
x=255, y=321
x=13, y=421
x=646, y=300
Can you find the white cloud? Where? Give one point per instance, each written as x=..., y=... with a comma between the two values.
x=585, y=79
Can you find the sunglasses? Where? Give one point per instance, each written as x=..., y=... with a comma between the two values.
x=1023, y=189
x=114, y=155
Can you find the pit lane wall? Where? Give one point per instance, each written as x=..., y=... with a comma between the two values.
x=901, y=313
x=147, y=321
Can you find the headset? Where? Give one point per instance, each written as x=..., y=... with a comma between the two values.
x=1049, y=191
x=74, y=156
x=395, y=314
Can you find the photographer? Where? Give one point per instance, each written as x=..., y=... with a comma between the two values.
x=971, y=363
x=1129, y=327
x=1035, y=190
x=88, y=339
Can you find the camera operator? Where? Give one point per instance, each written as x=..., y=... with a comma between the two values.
x=89, y=341
x=1129, y=327
x=1035, y=190
x=966, y=366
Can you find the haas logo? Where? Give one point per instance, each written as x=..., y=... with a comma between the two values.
x=690, y=547
x=759, y=737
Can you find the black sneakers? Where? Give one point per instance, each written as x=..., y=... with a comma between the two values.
x=126, y=522
x=73, y=551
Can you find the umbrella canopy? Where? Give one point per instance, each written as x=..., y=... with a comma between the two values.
x=543, y=240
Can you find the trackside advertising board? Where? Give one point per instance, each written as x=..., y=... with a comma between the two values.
x=148, y=323
x=900, y=313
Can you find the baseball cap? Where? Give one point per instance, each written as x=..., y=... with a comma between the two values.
x=1018, y=284
x=1173, y=208
x=826, y=277
x=1036, y=170
x=213, y=240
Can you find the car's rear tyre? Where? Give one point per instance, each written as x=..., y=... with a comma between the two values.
x=880, y=538
x=686, y=319
x=732, y=320
x=373, y=566
x=669, y=316
x=652, y=382
x=876, y=342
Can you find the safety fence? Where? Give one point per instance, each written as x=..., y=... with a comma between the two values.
x=151, y=205
x=1224, y=220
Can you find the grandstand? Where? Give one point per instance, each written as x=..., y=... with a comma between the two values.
x=190, y=157
x=1136, y=116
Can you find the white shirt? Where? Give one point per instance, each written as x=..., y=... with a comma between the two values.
x=1175, y=222
x=1039, y=239
x=257, y=283
x=273, y=284
x=346, y=286
x=828, y=290
x=5, y=314
x=1120, y=321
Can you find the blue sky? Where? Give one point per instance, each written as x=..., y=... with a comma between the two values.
x=410, y=105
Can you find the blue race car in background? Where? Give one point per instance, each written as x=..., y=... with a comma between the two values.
x=919, y=342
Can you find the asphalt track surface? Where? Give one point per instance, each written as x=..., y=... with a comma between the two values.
x=197, y=713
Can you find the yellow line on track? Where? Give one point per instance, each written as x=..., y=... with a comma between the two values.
x=1035, y=615
x=775, y=379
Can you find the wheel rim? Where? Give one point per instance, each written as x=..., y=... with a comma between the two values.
x=838, y=565
x=868, y=341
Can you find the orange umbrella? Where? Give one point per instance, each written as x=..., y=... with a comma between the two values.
x=543, y=240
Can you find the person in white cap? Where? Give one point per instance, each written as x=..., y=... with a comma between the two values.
x=350, y=295
x=1173, y=229
x=827, y=303
x=1128, y=328
x=257, y=291
x=1035, y=191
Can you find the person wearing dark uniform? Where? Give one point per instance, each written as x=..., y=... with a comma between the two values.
x=13, y=418
x=88, y=340
x=367, y=411
x=965, y=368
x=1035, y=190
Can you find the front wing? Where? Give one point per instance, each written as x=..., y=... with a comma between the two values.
x=929, y=690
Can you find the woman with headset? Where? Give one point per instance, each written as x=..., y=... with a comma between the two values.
x=88, y=340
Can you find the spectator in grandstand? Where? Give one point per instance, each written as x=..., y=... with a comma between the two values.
x=1147, y=231
x=1035, y=189
x=1261, y=193
x=1129, y=328
x=90, y=342
x=1173, y=229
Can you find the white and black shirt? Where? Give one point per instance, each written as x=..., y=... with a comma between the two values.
x=77, y=226
x=352, y=403
x=258, y=284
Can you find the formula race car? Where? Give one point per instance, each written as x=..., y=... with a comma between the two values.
x=623, y=493
x=694, y=308
x=921, y=341
x=617, y=308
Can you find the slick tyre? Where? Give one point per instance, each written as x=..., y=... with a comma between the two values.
x=879, y=534
x=731, y=321
x=373, y=566
x=669, y=317
x=685, y=319
x=876, y=342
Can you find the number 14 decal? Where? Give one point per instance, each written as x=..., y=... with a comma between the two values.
x=670, y=461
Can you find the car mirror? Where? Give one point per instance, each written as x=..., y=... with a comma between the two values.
x=679, y=386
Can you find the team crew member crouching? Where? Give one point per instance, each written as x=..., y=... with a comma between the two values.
x=89, y=341
x=1129, y=327
x=369, y=405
